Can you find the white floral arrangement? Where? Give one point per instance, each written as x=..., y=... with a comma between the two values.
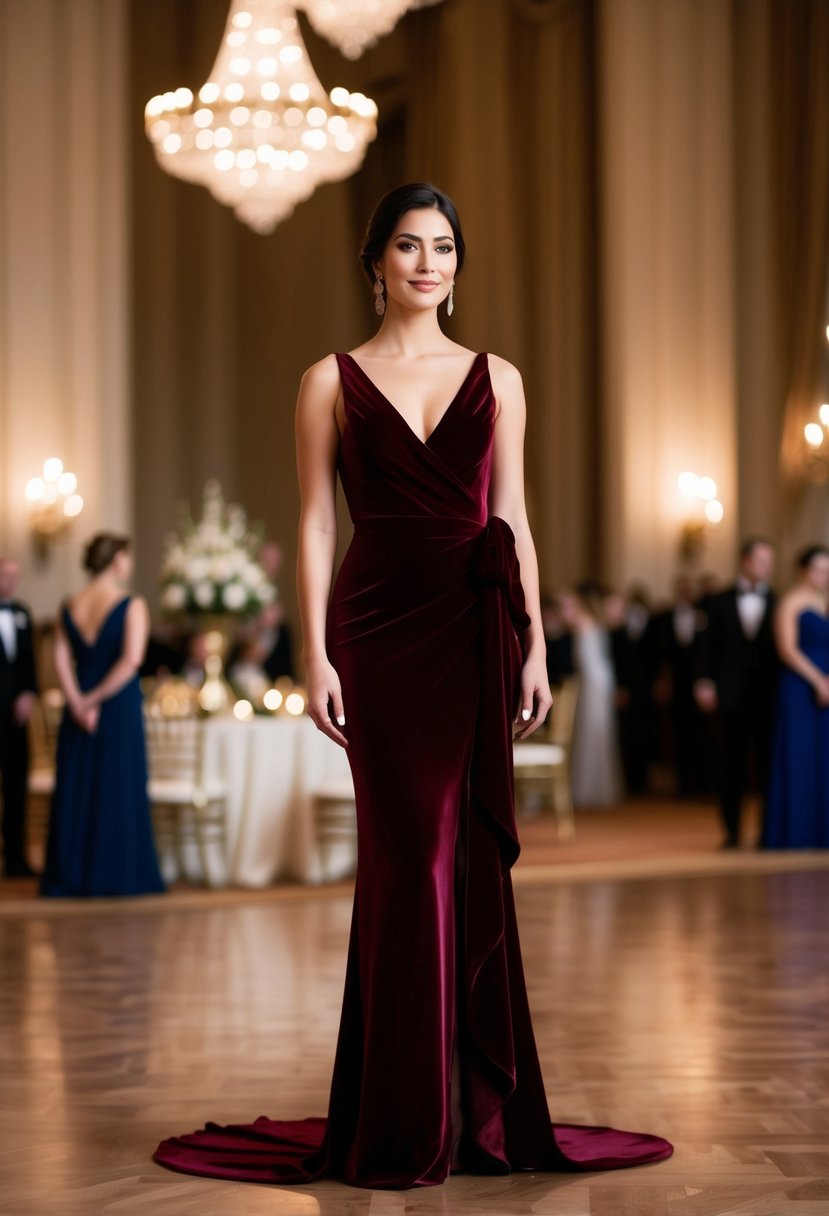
x=210, y=565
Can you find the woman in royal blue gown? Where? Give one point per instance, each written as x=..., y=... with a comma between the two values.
x=100, y=833
x=797, y=812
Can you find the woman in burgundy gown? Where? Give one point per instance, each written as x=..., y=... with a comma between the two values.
x=424, y=664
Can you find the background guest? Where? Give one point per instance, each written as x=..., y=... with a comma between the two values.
x=166, y=651
x=797, y=811
x=267, y=639
x=594, y=761
x=559, y=642
x=737, y=670
x=678, y=630
x=18, y=693
x=635, y=649
x=100, y=835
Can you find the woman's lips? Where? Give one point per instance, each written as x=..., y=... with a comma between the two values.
x=422, y=285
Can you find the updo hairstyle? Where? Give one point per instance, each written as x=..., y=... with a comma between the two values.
x=102, y=550
x=807, y=556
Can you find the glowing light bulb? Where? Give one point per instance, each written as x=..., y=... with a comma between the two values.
x=688, y=485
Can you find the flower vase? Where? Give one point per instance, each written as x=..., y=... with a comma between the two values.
x=215, y=694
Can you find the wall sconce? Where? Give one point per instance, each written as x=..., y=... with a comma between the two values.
x=817, y=457
x=702, y=510
x=54, y=504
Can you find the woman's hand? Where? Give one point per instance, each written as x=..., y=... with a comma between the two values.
x=536, y=698
x=822, y=692
x=86, y=714
x=324, y=689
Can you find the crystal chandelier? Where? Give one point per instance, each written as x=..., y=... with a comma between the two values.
x=353, y=25
x=262, y=133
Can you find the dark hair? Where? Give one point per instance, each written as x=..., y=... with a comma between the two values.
x=807, y=556
x=751, y=543
x=384, y=218
x=102, y=549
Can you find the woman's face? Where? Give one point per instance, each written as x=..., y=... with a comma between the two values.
x=420, y=260
x=817, y=573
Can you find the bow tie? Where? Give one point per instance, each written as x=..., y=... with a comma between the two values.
x=6, y=606
x=752, y=589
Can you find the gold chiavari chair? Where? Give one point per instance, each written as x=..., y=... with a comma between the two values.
x=543, y=761
x=188, y=811
x=43, y=738
x=335, y=826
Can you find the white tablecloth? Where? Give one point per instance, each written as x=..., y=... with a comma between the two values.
x=271, y=768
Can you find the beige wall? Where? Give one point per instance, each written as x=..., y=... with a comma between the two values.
x=64, y=297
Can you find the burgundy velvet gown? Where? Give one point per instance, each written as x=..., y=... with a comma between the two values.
x=424, y=630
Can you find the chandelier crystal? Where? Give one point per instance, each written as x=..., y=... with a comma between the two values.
x=354, y=25
x=262, y=133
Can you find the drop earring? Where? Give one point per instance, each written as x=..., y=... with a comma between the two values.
x=450, y=302
x=379, y=297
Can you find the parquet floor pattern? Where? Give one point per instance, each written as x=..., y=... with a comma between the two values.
x=694, y=1007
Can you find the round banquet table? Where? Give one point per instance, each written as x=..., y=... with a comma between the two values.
x=271, y=767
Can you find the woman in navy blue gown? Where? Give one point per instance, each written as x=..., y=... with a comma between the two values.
x=100, y=833
x=797, y=812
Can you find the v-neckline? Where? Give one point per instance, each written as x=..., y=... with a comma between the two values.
x=91, y=645
x=423, y=442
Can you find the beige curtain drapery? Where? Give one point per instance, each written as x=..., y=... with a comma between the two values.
x=501, y=117
x=799, y=48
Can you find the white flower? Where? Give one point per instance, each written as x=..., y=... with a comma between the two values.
x=266, y=594
x=203, y=594
x=220, y=570
x=234, y=597
x=253, y=575
x=174, y=597
x=197, y=569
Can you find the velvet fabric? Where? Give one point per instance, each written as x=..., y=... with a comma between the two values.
x=424, y=629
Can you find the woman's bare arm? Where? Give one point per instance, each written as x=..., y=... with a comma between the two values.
x=65, y=668
x=506, y=499
x=785, y=635
x=317, y=438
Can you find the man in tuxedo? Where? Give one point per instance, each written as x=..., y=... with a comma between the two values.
x=737, y=676
x=18, y=691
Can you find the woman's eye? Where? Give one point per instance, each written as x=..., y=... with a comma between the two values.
x=404, y=246
x=444, y=248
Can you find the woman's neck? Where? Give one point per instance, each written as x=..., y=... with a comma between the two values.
x=409, y=333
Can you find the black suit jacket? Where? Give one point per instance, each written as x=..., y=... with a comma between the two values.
x=636, y=661
x=744, y=670
x=18, y=675
x=678, y=661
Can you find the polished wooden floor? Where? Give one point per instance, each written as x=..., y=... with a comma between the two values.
x=695, y=1006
